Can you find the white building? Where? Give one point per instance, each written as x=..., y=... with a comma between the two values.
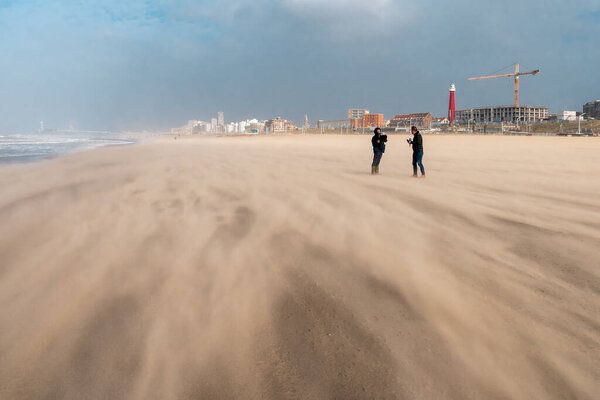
x=232, y=127
x=566, y=116
x=440, y=121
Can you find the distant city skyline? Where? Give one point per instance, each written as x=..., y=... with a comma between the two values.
x=152, y=65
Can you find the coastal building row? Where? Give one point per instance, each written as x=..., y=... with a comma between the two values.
x=218, y=125
x=360, y=118
x=363, y=119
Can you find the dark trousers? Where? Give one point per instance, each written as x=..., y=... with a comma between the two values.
x=376, y=158
x=418, y=159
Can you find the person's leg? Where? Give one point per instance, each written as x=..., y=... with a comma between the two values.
x=373, y=163
x=376, y=160
x=379, y=155
x=420, y=162
x=414, y=164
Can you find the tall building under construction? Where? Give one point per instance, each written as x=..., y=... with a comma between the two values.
x=518, y=114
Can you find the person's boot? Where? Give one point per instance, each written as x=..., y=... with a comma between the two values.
x=373, y=169
x=377, y=170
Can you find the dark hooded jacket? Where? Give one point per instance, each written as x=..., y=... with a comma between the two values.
x=417, y=143
x=378, y=141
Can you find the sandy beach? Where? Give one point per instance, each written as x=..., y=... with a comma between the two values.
x=279, y=268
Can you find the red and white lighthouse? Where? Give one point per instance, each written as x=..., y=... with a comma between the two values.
x=452, y=104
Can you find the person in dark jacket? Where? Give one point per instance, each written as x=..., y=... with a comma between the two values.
x=378, y=141
x=417, y=146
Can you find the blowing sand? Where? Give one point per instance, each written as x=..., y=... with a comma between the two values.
x=279, y=268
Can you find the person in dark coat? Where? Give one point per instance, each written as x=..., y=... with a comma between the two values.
x=378, y=141
x=417, y=146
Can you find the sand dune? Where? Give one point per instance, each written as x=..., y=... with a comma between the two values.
x=279, y=268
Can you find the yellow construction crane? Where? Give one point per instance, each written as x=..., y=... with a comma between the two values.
x=517, y=74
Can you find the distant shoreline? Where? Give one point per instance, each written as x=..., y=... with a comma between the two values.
x=133, y=141
x=387, y=132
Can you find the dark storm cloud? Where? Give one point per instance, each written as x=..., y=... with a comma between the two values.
x=154, y=64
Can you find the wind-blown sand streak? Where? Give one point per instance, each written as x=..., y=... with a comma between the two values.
x=277, y=267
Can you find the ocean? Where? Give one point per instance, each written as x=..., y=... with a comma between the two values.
x=26, y=148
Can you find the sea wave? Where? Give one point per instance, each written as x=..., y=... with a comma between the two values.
x=36, y=147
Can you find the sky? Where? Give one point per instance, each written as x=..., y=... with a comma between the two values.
x=154, y=64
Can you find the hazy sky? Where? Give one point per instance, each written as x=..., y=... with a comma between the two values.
x=154, y=64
